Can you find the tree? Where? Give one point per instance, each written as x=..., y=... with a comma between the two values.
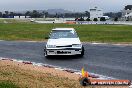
x=56, y=15
x=95, y=19
x=28, y=13
x=77, y=15
x=1, y=14
x=6, y=14
x=119, y=14
x=87, y=13
x=102, y=19
x=46, y=14
x=43, y=14
x=35, y=14
x=11, y=14
x=113, y=14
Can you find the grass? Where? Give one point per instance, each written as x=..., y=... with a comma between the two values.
x=10, y=20
x=6, y=84
x=87, y=33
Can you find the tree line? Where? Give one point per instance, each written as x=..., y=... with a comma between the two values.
x=38, y=14
x=45, y=14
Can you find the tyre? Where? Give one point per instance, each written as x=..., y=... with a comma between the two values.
x=82, y=53
x=45, y=53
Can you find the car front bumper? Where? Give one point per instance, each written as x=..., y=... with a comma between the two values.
x=63, y=51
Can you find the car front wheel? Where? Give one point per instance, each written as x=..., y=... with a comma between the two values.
x=45, y=53
x=82, y=53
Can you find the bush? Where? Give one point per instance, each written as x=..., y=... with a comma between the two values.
x=116, y=19
x=95, y=19
x=88, y=19
x=102, y=19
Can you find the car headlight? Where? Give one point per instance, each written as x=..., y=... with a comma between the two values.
x=51, y=46
x=77, y=45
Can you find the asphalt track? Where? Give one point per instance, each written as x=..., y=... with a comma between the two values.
x=109, y=60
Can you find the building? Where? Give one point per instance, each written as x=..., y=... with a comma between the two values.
x=128, y=17
x=96, y=13
x=21, y=17
x=128, y=7
x=127, y=13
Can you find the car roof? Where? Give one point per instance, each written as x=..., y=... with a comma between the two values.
x=63, y=29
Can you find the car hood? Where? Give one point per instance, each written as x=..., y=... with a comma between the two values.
x=63, y=41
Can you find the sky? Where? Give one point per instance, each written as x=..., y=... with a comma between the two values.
x=72, y=5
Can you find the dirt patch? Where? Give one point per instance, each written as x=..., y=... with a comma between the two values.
x=29, y=76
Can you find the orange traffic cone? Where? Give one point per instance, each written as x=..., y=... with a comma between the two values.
x=86, y=74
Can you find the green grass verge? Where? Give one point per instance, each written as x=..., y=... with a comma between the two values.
x=6, y=84
x=9, y=20
x=87, y=33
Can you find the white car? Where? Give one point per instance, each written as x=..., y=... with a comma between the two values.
x=63, y=41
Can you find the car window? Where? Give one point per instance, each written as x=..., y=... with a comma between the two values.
x=63, y=34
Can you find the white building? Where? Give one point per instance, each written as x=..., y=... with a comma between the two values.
x=95, y=13
x=127, y=13
x=21, y=17
x=128, y=17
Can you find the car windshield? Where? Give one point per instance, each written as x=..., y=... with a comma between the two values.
x=63, y=34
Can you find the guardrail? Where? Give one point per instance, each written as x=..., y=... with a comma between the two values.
x=105, y=22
